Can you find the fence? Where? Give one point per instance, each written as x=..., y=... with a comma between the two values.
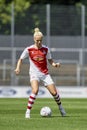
x=64, y=29
x=70, y=73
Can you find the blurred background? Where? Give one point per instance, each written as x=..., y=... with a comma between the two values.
x=64, y=25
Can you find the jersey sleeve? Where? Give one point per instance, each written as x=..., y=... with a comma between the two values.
x=49, y=54
x=24, y=54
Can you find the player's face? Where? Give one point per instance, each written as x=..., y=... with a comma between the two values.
x=38, y=41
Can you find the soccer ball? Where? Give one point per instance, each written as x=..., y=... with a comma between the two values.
x=45, y=111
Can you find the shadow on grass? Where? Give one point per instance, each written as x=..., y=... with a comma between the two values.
x=56, y=116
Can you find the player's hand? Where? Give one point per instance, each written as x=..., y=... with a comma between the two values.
x=56, y=64
x=17, y=71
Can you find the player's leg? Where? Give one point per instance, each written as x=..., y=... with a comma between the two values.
x=48, y=82
x=32, y=97
x=54, y=93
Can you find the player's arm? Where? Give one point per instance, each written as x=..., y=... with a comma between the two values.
x=53, y=63
x=18, y=67
x=19, y=63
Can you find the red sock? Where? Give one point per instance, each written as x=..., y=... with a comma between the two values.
x=31, y=101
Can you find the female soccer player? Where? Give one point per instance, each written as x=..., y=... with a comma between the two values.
x=38, y=55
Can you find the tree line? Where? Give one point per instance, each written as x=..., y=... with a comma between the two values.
x=60, y=2
x=25, y=22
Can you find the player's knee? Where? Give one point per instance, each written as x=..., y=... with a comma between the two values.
x=35, y=91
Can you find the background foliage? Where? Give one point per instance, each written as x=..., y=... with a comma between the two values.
x=22, y=12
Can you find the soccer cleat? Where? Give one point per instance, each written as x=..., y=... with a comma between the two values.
x=62, y=111
x=27, y=115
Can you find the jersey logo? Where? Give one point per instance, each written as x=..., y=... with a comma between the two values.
x=38, y=58
x=44, y=52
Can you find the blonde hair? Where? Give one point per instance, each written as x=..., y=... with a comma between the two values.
x=37, y=32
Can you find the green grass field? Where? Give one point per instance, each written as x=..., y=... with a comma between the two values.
x=12, y=115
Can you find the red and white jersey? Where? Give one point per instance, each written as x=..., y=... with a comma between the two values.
x=38, y=59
